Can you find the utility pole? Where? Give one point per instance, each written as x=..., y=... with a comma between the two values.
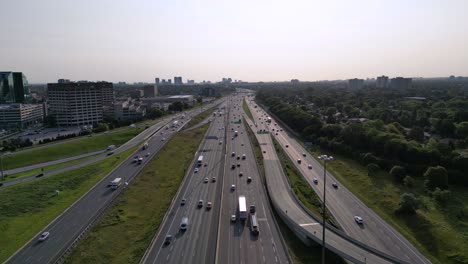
x=325, y=158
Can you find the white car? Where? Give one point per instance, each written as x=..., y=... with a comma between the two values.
x=358, y=219
x=309, y=166
x=315, y=181
x=205, y=180
x=196, y=170
x=233, y=187
x=44, y=236
x=233, y=218
x=147, y=154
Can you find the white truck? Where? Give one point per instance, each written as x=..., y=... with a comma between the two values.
x=114, y=184
x=145, y=146
x=111, y=147
x=174, y=124
x=200, y=161
x=242, y=208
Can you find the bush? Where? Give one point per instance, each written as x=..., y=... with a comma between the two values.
x=408, y=181
x=398, y=173
x=436, y=177
x=372, y=169
x=441, y=196
x=408, y=204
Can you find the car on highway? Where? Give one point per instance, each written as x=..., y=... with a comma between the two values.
x=162, y=139
x=44, y=236
x=209, y=205
x=238, y=164
x=183, y=201
x=205, y=180
x=252, y=209
x=315, y=181
x=196, y=170
x=264, y=151
x=335, y=185
x=287, y=145
x=200, y=203
x=233, y=166
x=213, y=179
x=309, y=166
x=244, y=156
x=233, y=187
x=249, y=179
x=147, y=154
x=233, y=154
x=240, y=174
x=233, y=218
x=276, y=133
x=303, y=154
x=358, y=219
x=238, y=158
x=167, y=240
x=299, y=161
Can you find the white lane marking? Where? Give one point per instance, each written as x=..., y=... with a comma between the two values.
x=309, y=224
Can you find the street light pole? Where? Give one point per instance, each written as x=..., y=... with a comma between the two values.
x=325, y=158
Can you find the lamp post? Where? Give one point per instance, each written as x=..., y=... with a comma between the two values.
x=325, y=158
x=1, y=161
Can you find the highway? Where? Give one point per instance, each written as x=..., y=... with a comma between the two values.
x=67, y=227
x=375, y=233
x=197, y=244
x=236, y=243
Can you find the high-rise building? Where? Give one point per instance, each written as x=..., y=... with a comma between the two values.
x=13, y=87
x=400, y=83
x=83, y=103
x=177, y=80
x=190, y=81
x=169, y=81
x=156, y=81
x=382, y=82
x=150, y=90
x=355, y=83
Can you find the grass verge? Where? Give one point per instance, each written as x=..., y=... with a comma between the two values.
x=200, y=117
x=247, y=109
x=27, y=208
x=439, y=231
x=68, y=149
x=301, y=187
x=131, y=223
x=47, y=168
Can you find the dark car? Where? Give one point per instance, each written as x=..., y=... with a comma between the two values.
x=168, y=240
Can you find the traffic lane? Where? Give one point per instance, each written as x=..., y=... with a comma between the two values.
x=345, y=206
x=76, y=217
x=190, y=212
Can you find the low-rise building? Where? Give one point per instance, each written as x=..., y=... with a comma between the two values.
x=129, y=110
x=20, y=115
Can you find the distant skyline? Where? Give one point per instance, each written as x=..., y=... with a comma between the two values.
x=250, y=40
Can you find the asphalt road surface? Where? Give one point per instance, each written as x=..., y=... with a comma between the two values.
x=236, y=243
x=197, y=244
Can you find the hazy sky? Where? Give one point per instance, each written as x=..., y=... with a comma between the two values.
x=268, y=40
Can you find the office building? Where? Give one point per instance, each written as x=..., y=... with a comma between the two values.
x=129, y=110
x=20, y=115
x=63, y=81
x=294, y=81
x=81, y=103
x=355, y=83
x=156, y=81
x=177, y=80
x=190, y=81
x=13, y=88
x=382, y=82
x=400, y=83
x=150, y=90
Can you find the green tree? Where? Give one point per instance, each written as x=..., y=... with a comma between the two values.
x=416, y=133
x=408, y=181
x=199, y=100
x=398, y=173
x=408, y=204
x=441, y=196
x=101, y=128
x=436, y=177
x=462, y=130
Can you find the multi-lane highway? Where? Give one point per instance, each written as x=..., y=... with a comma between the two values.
x=375, y=233
x=236, y=243
x=196, y=244
x=70, y=224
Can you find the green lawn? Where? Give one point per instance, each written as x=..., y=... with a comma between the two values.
x=134, y=220
x=27, y=208
x=439, y=232
x=68, y=149
x=247, y=109
x=47, y=168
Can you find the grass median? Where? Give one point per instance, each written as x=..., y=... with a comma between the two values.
x=68, y=149
x=131, y=223
x=200, y=117
x=247, y=109
x=27, y=208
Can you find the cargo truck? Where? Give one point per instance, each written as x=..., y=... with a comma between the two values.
x=242, y=208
